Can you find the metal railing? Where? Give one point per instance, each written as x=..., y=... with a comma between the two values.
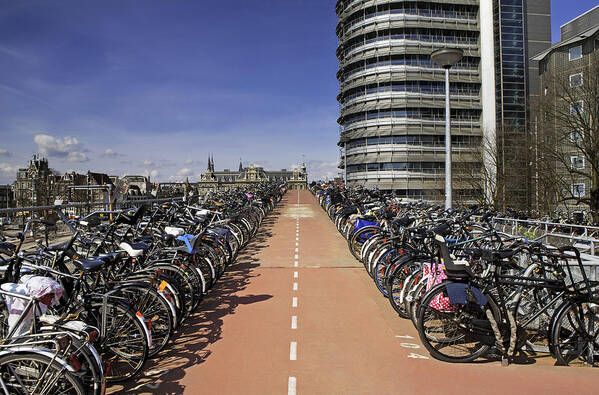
x=586, y=241
x=109, y=207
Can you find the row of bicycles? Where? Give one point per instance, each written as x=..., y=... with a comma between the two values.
x=471, y=291
x=92, y=310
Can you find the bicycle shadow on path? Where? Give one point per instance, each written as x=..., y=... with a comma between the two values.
x=191, y=343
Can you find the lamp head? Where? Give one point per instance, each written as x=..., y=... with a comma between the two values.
x=447, y=57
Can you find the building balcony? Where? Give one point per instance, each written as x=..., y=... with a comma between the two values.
x=466, y=21
x=435, y=42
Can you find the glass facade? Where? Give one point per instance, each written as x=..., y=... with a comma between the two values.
x=392, y=97
x=511, y=99
x=510, y=49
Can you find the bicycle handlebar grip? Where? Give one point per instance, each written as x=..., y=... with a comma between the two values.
x=570, y=248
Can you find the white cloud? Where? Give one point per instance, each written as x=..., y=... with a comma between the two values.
x=320, y=170
x=181, y=175
x=109, y=153
x=68, y=148
x=151, y=173
x=188, y=162
x=184, y=172
x=7, y=169
x=4, y=152
x=56, y=146
x=148, y=162
x=77, y=157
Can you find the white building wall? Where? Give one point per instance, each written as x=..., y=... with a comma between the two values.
x=487, y=65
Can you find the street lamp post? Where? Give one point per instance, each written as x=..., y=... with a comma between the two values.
x=345, y=164
x=446, y=58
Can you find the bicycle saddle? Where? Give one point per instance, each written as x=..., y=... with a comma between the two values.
x=134, y=249
x=442, y=230
x=91, y=264
x=112, y=257
x=403, y=221
x=174, y=231
x=58, y=247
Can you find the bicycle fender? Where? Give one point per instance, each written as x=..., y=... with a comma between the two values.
x=42, y=351
x=397, y=265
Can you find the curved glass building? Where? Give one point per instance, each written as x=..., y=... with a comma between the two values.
x=392, y=96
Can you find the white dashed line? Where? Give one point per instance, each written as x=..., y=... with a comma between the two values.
x=409, y=345
x=293, y=351
x=291, y=386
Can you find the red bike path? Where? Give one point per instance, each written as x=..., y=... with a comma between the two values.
x=345, y=337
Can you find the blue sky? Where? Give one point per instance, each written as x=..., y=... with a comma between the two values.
x=152, y=87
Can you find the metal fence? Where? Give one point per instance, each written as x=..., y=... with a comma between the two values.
x=61, y=210
x=584, y=238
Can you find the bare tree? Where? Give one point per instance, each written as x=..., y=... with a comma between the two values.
x=569, y=147
x=479, y=174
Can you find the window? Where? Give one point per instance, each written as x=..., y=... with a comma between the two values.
x=578, y=190
x=576, y=136
x=576, y=108
x=575, y=80
x=577, y=162
x=545, y=91
x=575, y=52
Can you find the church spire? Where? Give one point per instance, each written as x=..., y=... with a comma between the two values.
x=209, y=164
x=212, y=163
x=240, y=165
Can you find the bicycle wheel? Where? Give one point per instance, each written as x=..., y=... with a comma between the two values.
x=153, y=306
x=454, y=332
x=90, y=374
x=414, y=301
x=124, y=344
x=382, y=269
x=359, y=237
x=396, y=282
x=408, y=289
x=168, y=287
x=180, y=280
x=575, y=335
x=32, y=373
